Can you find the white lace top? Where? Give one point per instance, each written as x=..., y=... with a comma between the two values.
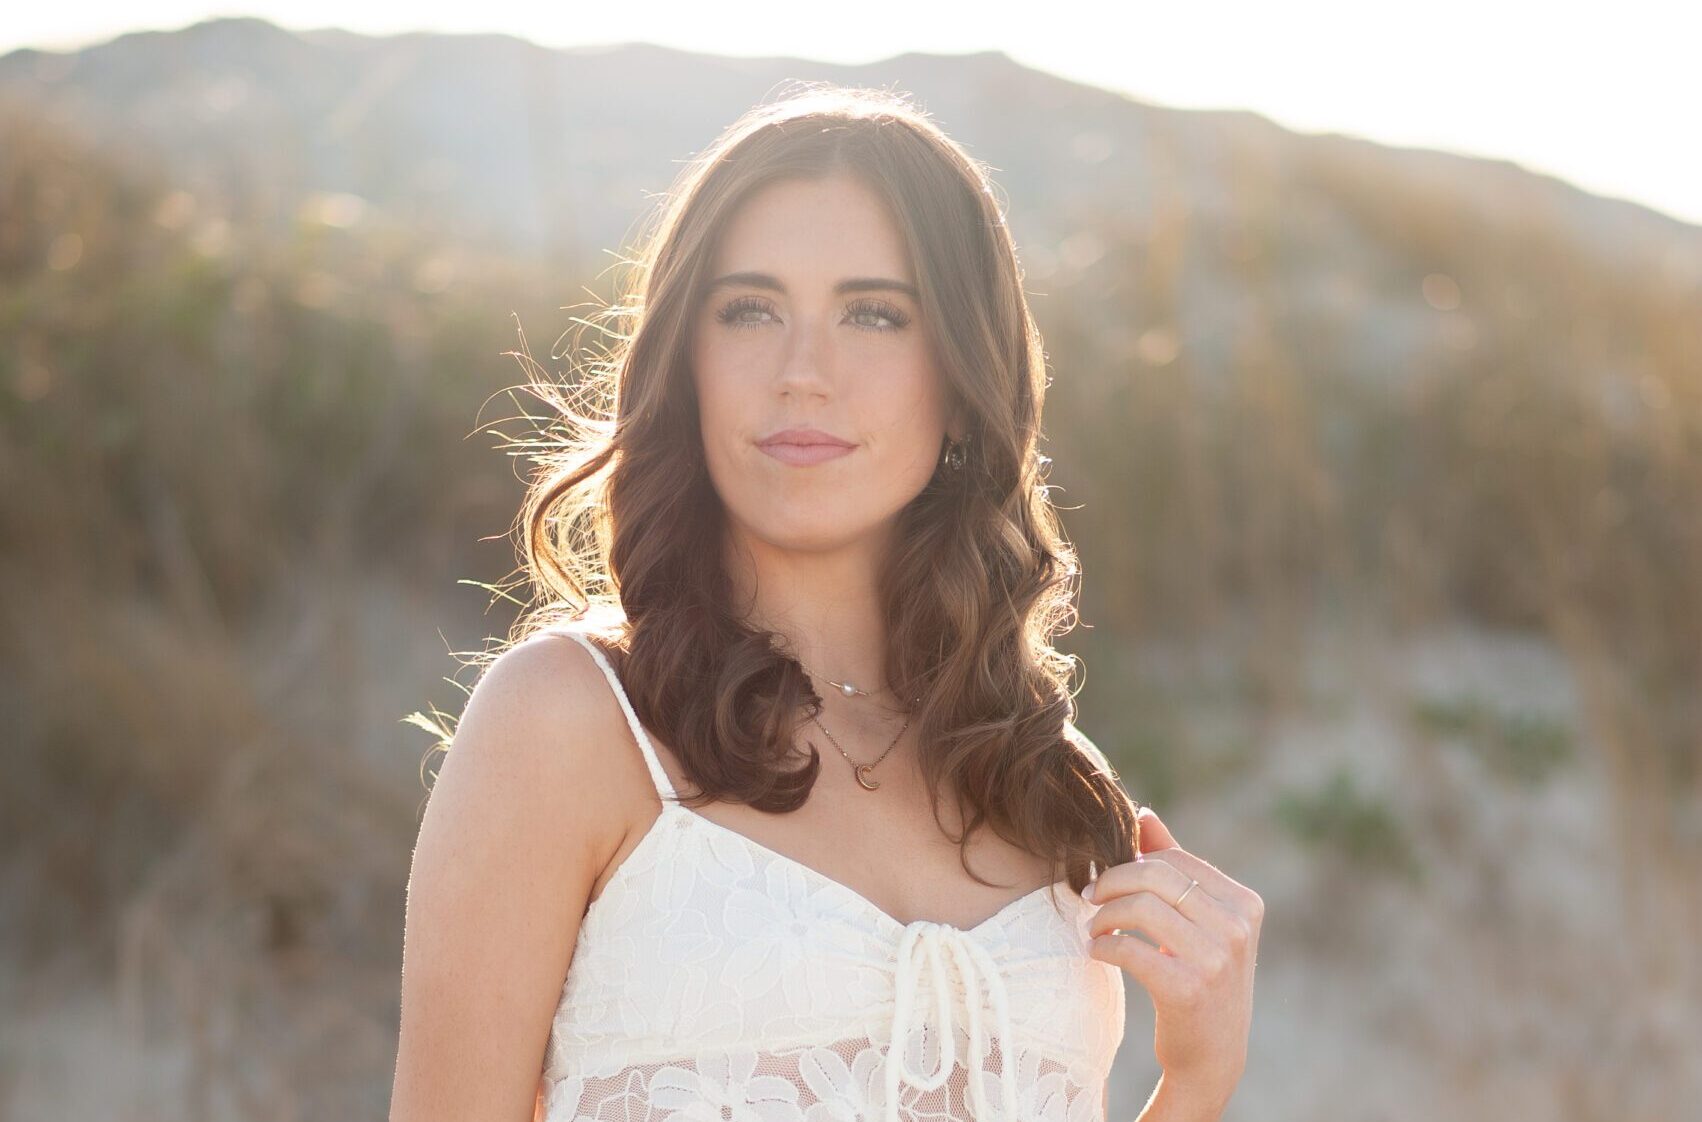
x=715, y=980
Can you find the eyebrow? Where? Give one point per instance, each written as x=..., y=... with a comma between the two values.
x=751, y=279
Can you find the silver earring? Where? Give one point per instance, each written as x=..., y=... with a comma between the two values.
x=954, y=454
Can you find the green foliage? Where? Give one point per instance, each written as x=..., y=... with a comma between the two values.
x=1357, y=826
x=213, y=404
x=1518, y=746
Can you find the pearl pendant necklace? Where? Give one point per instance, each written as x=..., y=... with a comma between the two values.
x=848, y=689
x=863, y=772
x=845, y=688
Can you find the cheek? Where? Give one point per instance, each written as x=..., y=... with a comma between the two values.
x=911, y=418
x=715, y=395
x=725, y=418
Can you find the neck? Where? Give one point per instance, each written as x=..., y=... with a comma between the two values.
x=822, y=604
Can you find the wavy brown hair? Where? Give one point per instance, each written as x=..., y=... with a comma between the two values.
x=622, y=528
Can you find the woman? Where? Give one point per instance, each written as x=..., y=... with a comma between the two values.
x=808, y=573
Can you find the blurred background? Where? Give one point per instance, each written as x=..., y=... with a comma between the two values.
x=1380, y=435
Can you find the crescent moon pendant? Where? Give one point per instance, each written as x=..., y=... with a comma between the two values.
x=863, y=776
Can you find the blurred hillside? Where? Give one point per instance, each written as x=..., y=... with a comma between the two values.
x=1385, y=466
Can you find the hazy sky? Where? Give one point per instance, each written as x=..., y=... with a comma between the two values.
x=1604, y=95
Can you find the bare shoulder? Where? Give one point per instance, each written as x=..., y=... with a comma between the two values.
x=540, y=730
x=533, y=694
x=507, y=853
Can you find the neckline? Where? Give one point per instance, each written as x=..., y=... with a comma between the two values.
x=669, y=798
x=868, y=905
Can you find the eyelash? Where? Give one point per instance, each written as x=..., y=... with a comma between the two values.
x=730, y=314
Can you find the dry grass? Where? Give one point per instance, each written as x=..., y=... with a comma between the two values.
x=238, y=491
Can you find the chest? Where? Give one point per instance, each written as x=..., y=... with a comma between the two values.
x=705, y=943
x=885, y=846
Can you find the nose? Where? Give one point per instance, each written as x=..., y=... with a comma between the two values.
x=806, y=361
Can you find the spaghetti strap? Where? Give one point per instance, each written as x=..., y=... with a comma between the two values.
x=664, y=787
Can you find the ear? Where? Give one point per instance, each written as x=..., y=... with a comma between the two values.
x=957, y=427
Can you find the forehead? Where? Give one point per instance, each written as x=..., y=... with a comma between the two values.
x=813, y=229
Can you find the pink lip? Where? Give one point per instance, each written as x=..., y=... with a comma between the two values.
x=804, y=446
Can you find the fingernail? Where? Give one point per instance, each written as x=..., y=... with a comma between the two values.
x=1087, y=893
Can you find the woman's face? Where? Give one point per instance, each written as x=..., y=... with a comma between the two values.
x=811, y=321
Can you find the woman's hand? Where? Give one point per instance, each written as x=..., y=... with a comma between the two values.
x=1200, y=977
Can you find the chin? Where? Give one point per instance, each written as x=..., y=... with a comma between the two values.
x=809, y=535
x=814, y=539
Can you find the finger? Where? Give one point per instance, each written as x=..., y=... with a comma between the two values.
x=1225, y=926
x=1225, y=888
x=1137, y=886
x=1150, y=832
x=1153, y=836
x=1160, y=872
x=1148, y=914
x=1224, y=923
x=1157, y=874
x=1158, y=973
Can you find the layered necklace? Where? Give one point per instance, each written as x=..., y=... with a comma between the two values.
x=863, y=772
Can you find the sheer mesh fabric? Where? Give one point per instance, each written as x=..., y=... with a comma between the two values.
x=715, y=979
x=834, y=1082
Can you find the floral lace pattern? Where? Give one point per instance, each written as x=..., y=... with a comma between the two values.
x=715, y=979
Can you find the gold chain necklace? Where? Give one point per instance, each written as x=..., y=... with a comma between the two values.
x=861, y=771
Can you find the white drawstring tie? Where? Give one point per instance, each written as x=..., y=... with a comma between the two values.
x=920, y=946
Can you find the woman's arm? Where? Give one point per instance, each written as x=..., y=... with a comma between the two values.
x=1171, y=1103
x=503, y=867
